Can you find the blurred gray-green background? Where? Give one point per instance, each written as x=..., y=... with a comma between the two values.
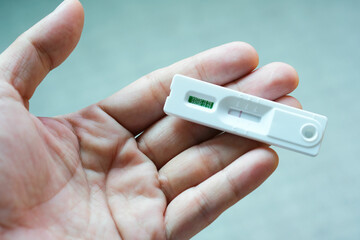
x=306, y=198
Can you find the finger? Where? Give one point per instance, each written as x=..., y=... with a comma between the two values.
x=171, y=135
x=276, y=79
x=200, y=162
x=290, y=101
x=141, y=104
x=43, y=47
x=197, y=207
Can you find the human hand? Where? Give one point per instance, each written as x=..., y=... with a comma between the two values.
x=86, y=176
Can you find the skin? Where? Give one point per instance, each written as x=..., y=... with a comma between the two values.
x=85, y=176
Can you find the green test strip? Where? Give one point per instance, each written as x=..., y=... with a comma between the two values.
x=200, y=102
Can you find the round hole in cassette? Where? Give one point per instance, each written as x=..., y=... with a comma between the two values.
x=309, y=132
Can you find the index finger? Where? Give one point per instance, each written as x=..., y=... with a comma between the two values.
x=140, y=104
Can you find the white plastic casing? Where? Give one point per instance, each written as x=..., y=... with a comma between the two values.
x=245, y=115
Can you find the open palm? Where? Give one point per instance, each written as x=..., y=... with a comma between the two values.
x=86, y=176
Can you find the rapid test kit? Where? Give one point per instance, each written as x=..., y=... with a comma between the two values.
x=245, y=115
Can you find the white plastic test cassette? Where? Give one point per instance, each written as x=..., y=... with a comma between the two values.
x=245, y=115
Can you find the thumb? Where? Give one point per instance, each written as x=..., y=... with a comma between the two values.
x=43, y=47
